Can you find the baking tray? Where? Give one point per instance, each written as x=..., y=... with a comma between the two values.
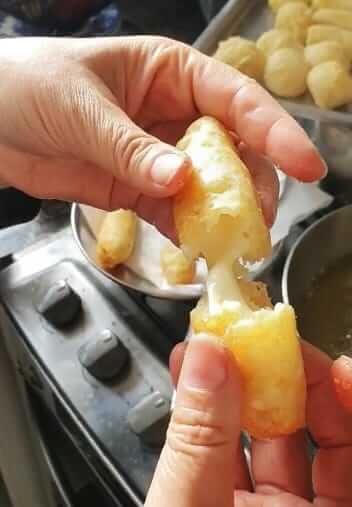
x=250, y=18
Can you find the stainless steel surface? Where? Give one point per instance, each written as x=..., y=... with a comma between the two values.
x=250, y=18
x=324, y=242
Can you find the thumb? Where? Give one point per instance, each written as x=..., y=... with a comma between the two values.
x=136, y=158
x=341, y=372
x=196, y=467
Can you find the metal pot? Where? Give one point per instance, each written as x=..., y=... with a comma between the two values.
x=323, y=243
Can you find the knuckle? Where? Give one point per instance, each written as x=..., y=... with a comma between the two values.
x=194, y=432
x=130, y=149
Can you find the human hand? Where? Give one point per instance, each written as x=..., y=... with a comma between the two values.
x=90, y=119
x=203, y=464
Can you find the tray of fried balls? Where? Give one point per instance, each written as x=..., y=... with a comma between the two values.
x=299, y=50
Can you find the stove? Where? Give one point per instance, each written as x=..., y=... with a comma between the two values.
x=92, y=357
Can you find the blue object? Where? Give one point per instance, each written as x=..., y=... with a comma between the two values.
x=105, y=23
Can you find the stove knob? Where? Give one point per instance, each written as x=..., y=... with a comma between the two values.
x=150, y=418
x=60, y=305
x=105, y=357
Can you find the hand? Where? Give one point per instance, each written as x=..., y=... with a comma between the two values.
x=203, y=464
x=90, y=119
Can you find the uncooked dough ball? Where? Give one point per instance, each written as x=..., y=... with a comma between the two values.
x=326, y=51
x=242, y=54
x=296, y=18
x=330, y=85
x=336, y=17
x=332, y=4
x=276, y=4
x=276, y=39
x=320, y=33
x=286, y=72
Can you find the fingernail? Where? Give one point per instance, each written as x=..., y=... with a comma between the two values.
x=347, y=361
x=205, y=366
x=166, y=167
x=326, y=169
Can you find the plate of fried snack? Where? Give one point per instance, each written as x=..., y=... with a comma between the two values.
x=299, y=50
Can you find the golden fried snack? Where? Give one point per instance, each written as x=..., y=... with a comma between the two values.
x=336, y=17
x=177, y=269
x=275, y=39
x=275, y=5
x=217, y=215
x=332, y=4
x=286, y=72
x=319, y=33
x=243, y=55
x=326, y=51
x=296, y=18
x=218, y=200
x=330, y=85
x=116, y=238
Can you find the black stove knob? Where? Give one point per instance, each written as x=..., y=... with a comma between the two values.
x=104, y=357
x=60, y=305
x=149, y=419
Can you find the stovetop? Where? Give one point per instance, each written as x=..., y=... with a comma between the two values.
x=125, y=417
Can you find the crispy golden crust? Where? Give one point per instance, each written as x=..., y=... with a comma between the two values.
x=268, y=354
x=218, y=199
x=176, y=268
x=116, y=238
x=217, y=216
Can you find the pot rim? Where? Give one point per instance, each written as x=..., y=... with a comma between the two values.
x=296, y=245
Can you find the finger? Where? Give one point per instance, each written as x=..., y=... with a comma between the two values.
x=265, y=180
x=331, y=428
x=245, y=107
x=109, y=139
x=73, y=180
x=241, y=472
x=282, y=465
x=335, y=428
x=245, y=499
x=175, y=362
x=197, y=462
x=342, y=377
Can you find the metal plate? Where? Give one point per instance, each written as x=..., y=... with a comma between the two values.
x=125, y=277
x=122, y=275
x=250, y=18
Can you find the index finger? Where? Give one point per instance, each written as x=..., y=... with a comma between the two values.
x=245, y=107
x=331, y=428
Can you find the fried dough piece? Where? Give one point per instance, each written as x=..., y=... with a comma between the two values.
x=177, y=269
x=286, y=72
x=330, y=85
x=243, y=55
x=275, y=5
x=332, y=4
x=296, y=18
x=116, y=238
x=335, y=17
x=319, y=33
x=275, y=39
x=326, y=51
x=217, y=215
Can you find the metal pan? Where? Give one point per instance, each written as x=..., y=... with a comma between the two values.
x=250, y=18
x=86, y=241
